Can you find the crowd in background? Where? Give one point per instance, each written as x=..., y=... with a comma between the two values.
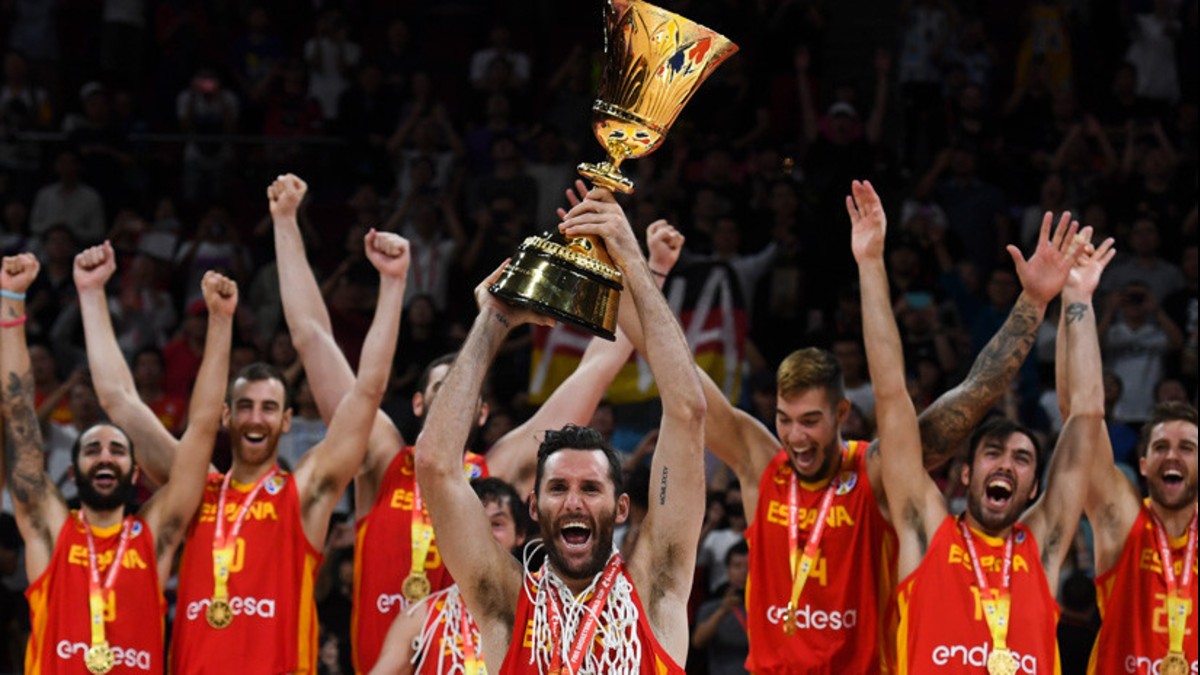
x=158, y=125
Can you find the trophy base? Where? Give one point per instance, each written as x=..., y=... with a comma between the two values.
x=555, y=281
x=606, y=175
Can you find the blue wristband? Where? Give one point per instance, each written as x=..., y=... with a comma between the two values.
x=12, y=296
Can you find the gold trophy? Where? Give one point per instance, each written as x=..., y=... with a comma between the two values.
x=655, y=61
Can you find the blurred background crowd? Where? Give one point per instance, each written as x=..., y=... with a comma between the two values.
x=458, y=123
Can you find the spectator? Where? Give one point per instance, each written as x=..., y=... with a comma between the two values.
x=123, y=40
x=1136, y=336
x=1124, y=438
x=499, y=49
x=256, y=53
x=976, y=210
x=1144, y=265
x=102, y=146
x=182, y=354
x=720, y=627
x=18, y=87
x=54, y=289
x=69, y=202
x=206, y=109
x=149, y=376
x=306, y=429
x=1152, y=52
x=331, y=57
x=848, y=350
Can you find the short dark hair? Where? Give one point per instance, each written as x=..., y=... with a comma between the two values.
x=740, y=548
x=1170, y=411
x=492, y=490
x=258, y=372
x=1000, y=428
x=444, y=359
x=77, y=445
x=575, y=437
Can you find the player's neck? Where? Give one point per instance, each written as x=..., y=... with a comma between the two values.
x=102, y=517
x=1176, y=521
x=246, y=473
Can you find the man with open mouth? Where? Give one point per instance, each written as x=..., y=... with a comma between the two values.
x=246, y=578
x=586, y=609
x=1145, y=549
x=96, y=600
x=974, y=592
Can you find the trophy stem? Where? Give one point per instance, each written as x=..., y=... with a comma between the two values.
x=607, y=175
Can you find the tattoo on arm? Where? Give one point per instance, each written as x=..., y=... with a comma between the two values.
x=502, y=319
x=25, y=458
x=1076, y=311
x=662, y=488
x=950, y=419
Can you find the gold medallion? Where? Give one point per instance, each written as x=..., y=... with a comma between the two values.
x=789, y=621
x=1174, y=664
x=1001, y=662
x=99, y=658
x=219, y=613
x=416, y=587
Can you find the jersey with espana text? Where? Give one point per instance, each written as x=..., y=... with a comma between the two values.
x=1133, y=603
x=942, y=627
x=843, y=611
x=134, y=609
x=383, y=556
x=274, y=628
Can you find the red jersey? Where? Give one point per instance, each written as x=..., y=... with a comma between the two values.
x=270, y=586
x=519, y=659
x=440, y=647
x=383, y=556
x=62, y=412
x=1133, y=601
x=134, y=609
x=942, y=627
x=171, y=411
x=842, y=612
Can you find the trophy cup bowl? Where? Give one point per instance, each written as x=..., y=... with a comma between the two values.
x=654, y=61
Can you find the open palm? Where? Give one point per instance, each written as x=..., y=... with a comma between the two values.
x=1085, y=274
x=1045, y=273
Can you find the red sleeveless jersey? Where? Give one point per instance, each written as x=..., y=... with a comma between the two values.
x=842, y=612
x=383, y=556
x=135, y=609
x=440, y=648
x=519, y=659
x=1133, y=602
x=274, y=627
x=942, y=627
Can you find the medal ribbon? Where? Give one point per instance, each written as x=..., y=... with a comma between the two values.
x=590, y=622
x=422, y=533
x=472, y=665
x=808, y=559
x=1179, y=604
x=996, y=601
x=96, y=589
x=223, y=545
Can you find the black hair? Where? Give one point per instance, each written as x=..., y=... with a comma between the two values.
x=258, y=372
x=494, y=490
x=740, y=548
x=1000, y=428
x=443, y=360
x=574, y=437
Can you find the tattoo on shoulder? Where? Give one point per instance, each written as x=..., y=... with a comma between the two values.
x=1076, y=311
x=662, y=488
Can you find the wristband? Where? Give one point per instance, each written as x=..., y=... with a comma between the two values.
x=12, y=296
x=14, y=322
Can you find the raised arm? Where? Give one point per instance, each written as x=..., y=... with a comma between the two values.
x=663, y=564
x=487, y=574
x=172, y=507
x=914, y=501
x=110, y=373
x=37, y=504
x=328, y=372
x=1084, y=438
x=514, y=457
x=950, y=419
x=325, y=471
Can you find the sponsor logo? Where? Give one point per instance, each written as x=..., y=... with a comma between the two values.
x=1019, y=537
x=264, y=608
x=386, y=602
x=136, y=529
x=138, y=659
x=1148, y=666
x=845, y=483
x=977, y=656
x=808, y=618
x=472, y=470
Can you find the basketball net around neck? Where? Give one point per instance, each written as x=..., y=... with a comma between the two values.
x=445, y=608
x=616, y=621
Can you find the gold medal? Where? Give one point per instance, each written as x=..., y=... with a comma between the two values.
x=1001, y=662
x=99, y=659
x=789, y=621
x=219, y=613
x=416, y=587
x=1174, y=664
